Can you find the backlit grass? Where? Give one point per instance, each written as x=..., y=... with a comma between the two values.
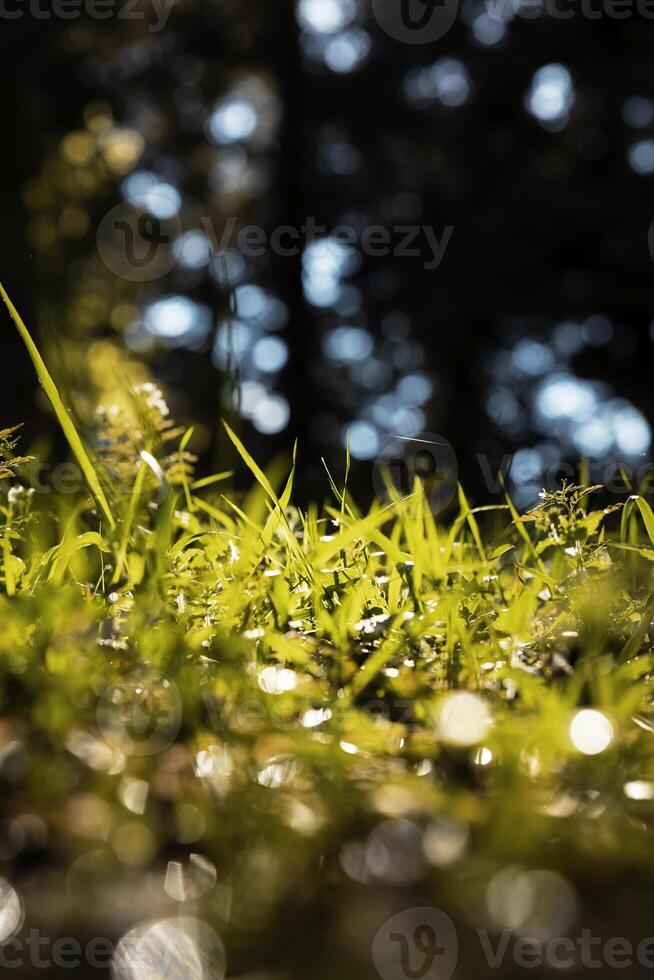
x=308, y=699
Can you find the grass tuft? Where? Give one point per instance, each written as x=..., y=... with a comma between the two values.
x=336, y=697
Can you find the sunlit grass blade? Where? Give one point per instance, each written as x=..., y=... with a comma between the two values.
x=64, y=419
x=256, y=470
x=646, y=514
x=520, y=528
x=472, y=523
x=10, y=580
x=360, y=530
x=129, y=520
x=633, y=644
x=263, y=480
x=208, y=481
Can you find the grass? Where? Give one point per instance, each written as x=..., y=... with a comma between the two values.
x=313, y=700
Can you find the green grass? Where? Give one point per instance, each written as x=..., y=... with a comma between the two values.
x=330, y=671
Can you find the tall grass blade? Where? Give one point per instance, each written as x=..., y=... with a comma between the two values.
x=60, y=411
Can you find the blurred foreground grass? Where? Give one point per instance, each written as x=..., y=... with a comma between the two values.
x=232, y=724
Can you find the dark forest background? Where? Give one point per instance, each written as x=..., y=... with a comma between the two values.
x=532, y=138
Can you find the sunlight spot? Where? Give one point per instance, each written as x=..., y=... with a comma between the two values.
x=407, y=421
x=488, y=29
x=134, y=795
x=11, y=910
x=347, y=51
x=445, y=842
x=232, y=341
x=188, y=881
x=277, y=680
x=364, y=439
x=177, y=320
x=234, y=120
x=192, y=250
x=182, y=947
x=325, y=264
x=633, y=434
x=228, y=268
x=641, y=157
x=551, y=95
x=535, y=903
x=325, y=16
x=271, y=415
x=348, y=344
x=591, y=731
x=464, y=719
x=156, y=196
x=250, y=394
x=251, y=301
x=564, y=396
x=349, y=748
x=315, y=717
x=446, y=81
x=532, y=357
x=415, y=389
x=270, y=354
x=639, y=789
x=279, y=772
x=593, y=438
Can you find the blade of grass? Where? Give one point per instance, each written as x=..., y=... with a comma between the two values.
x=256, y=470
x=10, y=581
x=472, y=523
x=632, y=646
x=129, y=521
x=263, y=480
x=64, y=419
x=646, y=514
x=522, y=531
x=208, y=481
